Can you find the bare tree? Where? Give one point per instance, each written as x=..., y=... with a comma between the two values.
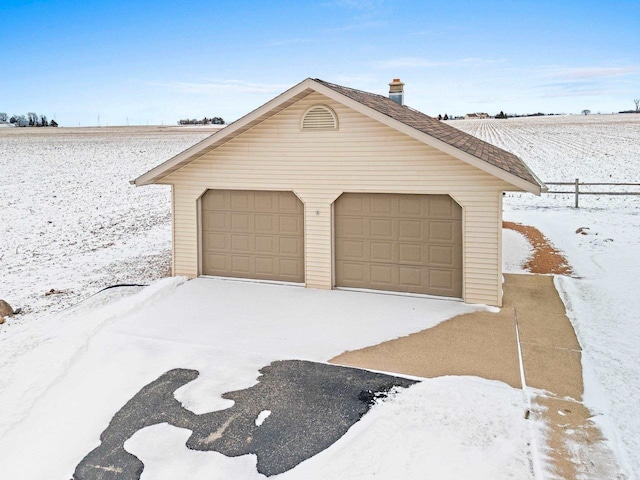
x=3, y=117
x=637, y=102
x=586, y=112
x=33, y=119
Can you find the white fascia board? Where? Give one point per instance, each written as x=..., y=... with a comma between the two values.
x=239, y=126
x=514, y=180
x=220, y=137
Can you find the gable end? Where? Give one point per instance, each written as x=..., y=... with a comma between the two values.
x=319, y=117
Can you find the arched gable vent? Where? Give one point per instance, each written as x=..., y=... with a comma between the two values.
x=320, y=117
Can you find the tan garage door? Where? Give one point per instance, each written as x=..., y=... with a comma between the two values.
x=401, y=243
x=252, y=234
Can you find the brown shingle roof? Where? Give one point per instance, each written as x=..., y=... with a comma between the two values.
x=446, y=133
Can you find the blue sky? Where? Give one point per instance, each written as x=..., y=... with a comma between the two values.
x=156, y=62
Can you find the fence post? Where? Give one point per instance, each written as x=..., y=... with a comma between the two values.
x=577, y=192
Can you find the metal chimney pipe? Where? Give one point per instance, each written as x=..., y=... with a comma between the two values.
x=396, y=91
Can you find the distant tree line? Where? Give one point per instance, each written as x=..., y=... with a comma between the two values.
x=204, y=121
x=637, y=110
x=32, y=119
x=502, y=115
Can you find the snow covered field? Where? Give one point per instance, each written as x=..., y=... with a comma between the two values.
x=593, y=148
x=70, y=221
x=602, y=299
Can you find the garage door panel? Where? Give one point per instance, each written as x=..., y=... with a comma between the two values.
x=215, y=261
x=217, y=241
x=410, y=230
x=381, y=228
x=265, y=265
x=264, y=244
x=380, y=205
x=443, y=206
x=411, y=253
x=290, y=267
x=441, y=279
x=291, y=246
x=288, y=203
x=241, y=222
x=382, y=252
x=381, y=276
x=241, y=243
x=215, y=200
x=214, y=221
x=241, y=201
x=265, y=202
x=348, y=249
x=253, y=234
x=410, y=277
x=351, y=205
x=290, y=224
x=405, y=243
x=441, y=232
x=410, y=206
x=352, y=272
x=264, y=223
x=241, y=263
x=442, y=255
x=350, y=227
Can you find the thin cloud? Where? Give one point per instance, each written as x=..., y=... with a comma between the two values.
x=591, y=72
x=594, y=92
x=217, y=86
x=356, y=79
x=366, y=5
x=356, y=26
x=418, y=62
x=422, y=33
x=572, y=89
x=582, y=82
x=291, y=41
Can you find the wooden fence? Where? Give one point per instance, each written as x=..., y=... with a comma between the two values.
x=577, y=192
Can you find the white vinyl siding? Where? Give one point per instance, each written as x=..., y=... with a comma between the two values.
x=362, y=156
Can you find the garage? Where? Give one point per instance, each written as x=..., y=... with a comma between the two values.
x=253, y=234
x=374, y=182
x=399, y=242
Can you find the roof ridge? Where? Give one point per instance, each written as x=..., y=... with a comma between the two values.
x=465, y=142
x=329, y=84
x=372, y=94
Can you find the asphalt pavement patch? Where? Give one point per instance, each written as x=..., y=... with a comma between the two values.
x=311, y=406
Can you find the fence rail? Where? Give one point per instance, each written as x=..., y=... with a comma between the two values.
x=577, y=192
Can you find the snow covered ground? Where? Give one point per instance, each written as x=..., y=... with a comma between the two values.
x=455, y=427
x=602, y=299
x=69, y=220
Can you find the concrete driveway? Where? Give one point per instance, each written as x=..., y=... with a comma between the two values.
x=240, y=369
x=530, y=344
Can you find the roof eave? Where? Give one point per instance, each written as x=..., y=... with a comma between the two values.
x=519, y=183
x=234, y=129
x=300, y=90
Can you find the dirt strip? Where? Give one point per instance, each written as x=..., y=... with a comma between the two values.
x=546, y=259
x=484, y=344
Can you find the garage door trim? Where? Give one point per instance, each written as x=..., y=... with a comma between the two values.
x=278, y=212
x=355, y=265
